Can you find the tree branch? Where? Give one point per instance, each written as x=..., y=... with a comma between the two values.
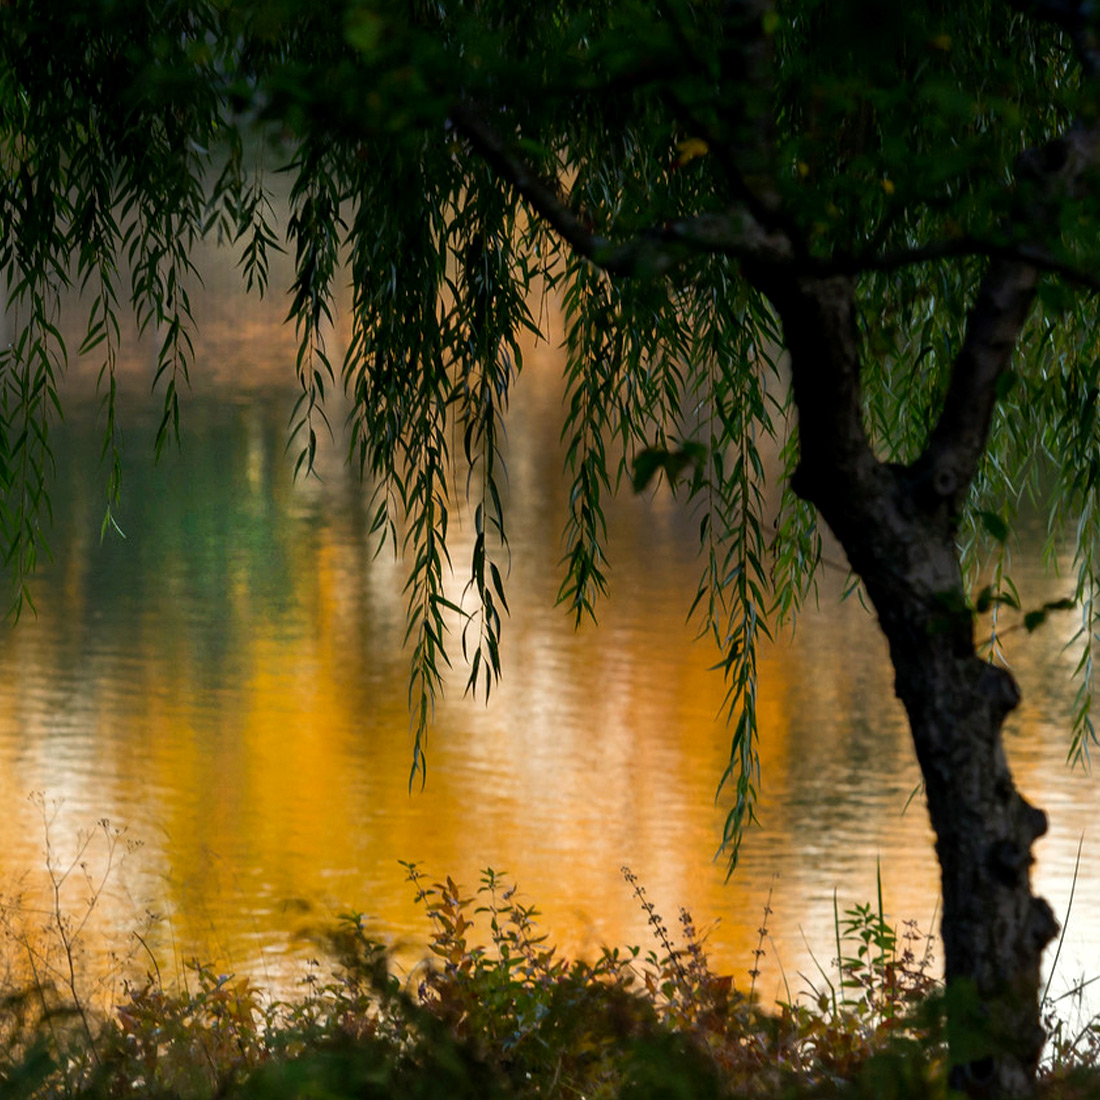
x=1060, y=171
x=739, y=232
x=954, y=248
x=657, y=251
x=1004, y=301
x=822, y=337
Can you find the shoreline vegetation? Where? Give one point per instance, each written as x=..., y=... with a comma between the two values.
x=493, y=1011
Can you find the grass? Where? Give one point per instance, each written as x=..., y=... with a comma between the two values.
x=493, y=1012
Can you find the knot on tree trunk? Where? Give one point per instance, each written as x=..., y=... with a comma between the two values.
x=1034, y=821
x=945, y=482
x=999, y=689
x=1043, y=926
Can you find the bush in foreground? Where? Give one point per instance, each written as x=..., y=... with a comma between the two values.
x=496, y=1012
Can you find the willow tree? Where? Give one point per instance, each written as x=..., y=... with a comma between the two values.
x=874, y=222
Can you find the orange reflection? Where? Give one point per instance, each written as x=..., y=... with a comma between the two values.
x=229, y=684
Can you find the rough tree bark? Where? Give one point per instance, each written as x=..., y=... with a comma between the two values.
x=898, y=527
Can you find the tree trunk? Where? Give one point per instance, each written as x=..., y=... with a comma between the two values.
x=898, y=526
x=994, y=929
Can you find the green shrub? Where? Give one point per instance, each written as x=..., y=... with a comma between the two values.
x=495, y=1012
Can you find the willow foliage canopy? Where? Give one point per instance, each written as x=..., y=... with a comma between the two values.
x=868, y=231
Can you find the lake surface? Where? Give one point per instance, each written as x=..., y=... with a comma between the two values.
x=227, y=685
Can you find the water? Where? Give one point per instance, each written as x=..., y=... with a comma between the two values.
x=227, y=685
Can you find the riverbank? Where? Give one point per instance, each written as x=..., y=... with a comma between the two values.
x=495, y=1011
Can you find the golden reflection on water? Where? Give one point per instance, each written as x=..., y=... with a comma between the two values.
x=227, y=685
